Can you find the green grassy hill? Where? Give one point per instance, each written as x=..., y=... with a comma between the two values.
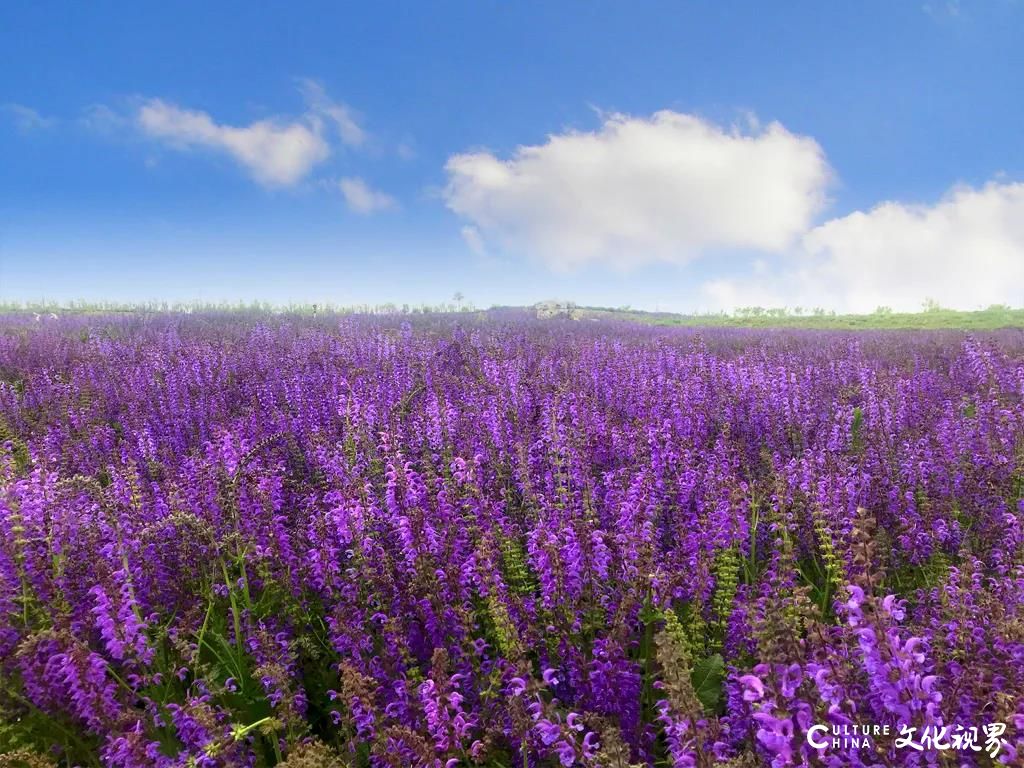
x=933, y=318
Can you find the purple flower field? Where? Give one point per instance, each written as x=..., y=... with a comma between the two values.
x=254, y=540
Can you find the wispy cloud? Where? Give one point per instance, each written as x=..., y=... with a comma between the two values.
x=275, y=152
x=405, y=150
x=102, y=120
x=363, y=199
x=278, y=151
x=340, y=115
x=942, y=9
x=475, y=243
x=26, y=119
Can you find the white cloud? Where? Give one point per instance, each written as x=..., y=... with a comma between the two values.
x=664, y=188
x=965, y=251
x=274, y=152
x=471, y=236
x=101, y=119
x=321, y=106
x=942, y=9
x=27, y=119
x=362, y=199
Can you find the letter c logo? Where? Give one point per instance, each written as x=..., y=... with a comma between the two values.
x=810, y=736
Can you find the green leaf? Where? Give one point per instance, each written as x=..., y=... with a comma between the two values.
x=707, y=677
x=857, y=430
x=650, y=614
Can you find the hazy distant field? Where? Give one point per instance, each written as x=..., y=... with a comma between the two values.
x=309, y=539
x=936, y=318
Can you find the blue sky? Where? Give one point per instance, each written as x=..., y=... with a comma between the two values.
x=662, y=155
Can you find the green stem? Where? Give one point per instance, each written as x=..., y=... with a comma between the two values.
x=24, y=600
x=235, y=614
x=646, y=650
x=240, y=732
x=752, y=560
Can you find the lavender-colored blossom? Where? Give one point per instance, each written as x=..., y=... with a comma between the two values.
x=242, y=539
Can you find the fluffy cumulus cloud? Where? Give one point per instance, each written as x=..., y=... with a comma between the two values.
x=965, y=251
x=363, y=199
x=664, y=188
